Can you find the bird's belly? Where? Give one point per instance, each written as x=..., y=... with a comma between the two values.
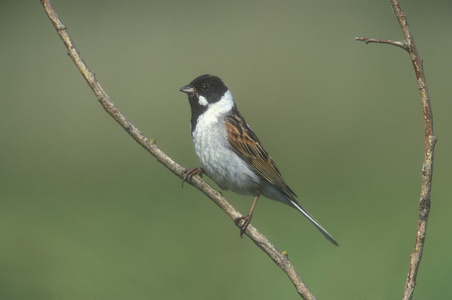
x=222, y=165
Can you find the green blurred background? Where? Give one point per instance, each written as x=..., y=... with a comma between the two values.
x=86, y=213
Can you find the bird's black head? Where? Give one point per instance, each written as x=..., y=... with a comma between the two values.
x=205, y=88
x=203, y=91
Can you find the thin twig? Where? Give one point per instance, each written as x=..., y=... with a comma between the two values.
x=401, y=44
x=430, y=141
x=150, y=145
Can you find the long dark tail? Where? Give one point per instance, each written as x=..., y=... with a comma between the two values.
x=314, y=221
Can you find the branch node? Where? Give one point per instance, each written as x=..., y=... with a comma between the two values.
x=432, y=139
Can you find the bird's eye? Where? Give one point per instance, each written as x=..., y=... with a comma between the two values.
x=205, y=87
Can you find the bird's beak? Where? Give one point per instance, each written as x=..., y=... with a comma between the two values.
x=188, y=89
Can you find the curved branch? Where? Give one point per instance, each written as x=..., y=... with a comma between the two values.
x=430, y=141
x=150, y=145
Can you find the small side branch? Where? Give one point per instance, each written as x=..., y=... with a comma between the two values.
x=430, y=141
x=401, y=44
x=150, y=145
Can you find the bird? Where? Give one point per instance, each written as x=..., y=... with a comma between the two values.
x=230, y=153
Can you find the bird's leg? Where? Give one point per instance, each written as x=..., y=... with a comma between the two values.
x=188, y=174
x=246, y=219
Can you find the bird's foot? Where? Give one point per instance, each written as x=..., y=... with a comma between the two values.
x=244, y=224
x=188, y=174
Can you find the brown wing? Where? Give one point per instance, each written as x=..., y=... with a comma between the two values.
x=245, y=144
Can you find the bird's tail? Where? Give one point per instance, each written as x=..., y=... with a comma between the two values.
x=314, y=221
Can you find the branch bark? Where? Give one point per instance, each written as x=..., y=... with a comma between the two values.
x=430, y=141
x=151, y=146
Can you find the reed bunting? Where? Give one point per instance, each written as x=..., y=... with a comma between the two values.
x=229, y=151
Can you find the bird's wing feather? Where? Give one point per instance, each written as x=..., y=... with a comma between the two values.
x=247, y=146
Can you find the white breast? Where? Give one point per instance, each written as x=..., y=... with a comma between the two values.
x=221, y=164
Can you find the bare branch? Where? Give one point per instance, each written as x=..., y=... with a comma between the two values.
x=401, y=44
x=430, y=141
x=150, y=145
